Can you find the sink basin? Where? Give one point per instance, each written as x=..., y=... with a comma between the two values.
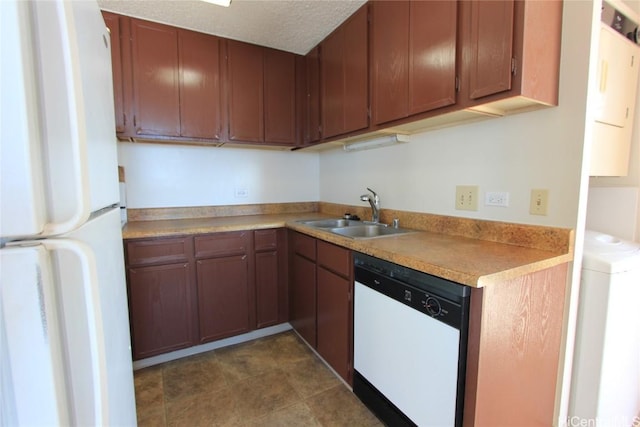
x=365, y=231
x=330, y=223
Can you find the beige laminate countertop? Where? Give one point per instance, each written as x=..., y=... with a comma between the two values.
x=472, y=262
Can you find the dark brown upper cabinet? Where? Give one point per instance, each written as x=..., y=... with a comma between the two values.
x=413, y=57
x=261, y=86
x=176, y=83
x=512, y=54
x=156, y=88
x=199, y=74
x=312, y=97
x=344, y=77
x=116, y=25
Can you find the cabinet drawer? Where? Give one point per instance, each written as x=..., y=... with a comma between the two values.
x=334, y=258
x=219, y=244
x=158, y=251
x=265, y=240
x=304, y=245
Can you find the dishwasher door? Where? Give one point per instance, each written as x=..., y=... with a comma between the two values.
x=411, y=358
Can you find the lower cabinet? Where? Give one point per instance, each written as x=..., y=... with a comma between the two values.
x=321, y=308
x=225, y=297
x=302, y=311
x=190, y=290
x=161, y=295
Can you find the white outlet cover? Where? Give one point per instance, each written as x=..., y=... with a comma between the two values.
x=496, y=198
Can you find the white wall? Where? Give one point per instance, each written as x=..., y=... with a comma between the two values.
x=541, y=149
x=161, y=175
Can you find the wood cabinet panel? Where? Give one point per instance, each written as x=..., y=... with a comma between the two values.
x=334, y=258
x=267, y=288
x=224, y=297
x=413, y=60
x=344, y=77
x=222, y=244
x=279, y=97
x=246, y=99
x=432, y=55
x=335, y=321
x=302, y=310
x=312, y=97
x=155, y=79
x=389, y=60
x=200, y=107
x=491, y=47
x=158, y=251
x=304, y=245
x=502, y=358
x=160, y=305
x=271, y=264
x=266, y=240
x=112, y=22
x=356, y=71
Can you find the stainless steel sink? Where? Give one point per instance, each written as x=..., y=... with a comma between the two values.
x=366, y=231
x=354, y=229
x=330, y=223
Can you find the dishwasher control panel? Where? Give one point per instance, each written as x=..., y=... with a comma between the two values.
x=425, y=301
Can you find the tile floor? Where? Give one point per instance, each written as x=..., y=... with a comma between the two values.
x=272, y=381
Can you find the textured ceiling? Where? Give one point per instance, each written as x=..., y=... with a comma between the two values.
x=291, y=25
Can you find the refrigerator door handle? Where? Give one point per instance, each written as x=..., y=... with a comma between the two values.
x=94, y=318
x=63, y=26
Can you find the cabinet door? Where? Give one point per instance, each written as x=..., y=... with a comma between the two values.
x=246, y=111
x=389, y=60
x=113, y=24
x=356, y=71
x=302, y=311
x=224, y=299
x=160, y=306
x=491, y=47
x=155, y=79
x=312, y=97
x=344, y=77
x=432, y=55
x=334, y=321
x=199, y=85
x=267, y=288
x=279, y=97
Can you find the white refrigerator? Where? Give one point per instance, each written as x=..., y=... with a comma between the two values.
x=65, y=352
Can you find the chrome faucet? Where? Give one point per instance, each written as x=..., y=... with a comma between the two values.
x=375, y=205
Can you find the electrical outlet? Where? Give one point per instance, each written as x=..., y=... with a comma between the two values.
x=467, y=197
x=539, y=201
x=241, y=192
x=496, y=198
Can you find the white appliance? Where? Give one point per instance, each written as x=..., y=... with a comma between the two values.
x=409, y=344
x=605, y=388
x=65, y=355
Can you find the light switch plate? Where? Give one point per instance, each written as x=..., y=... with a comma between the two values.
x=539, y=201
x=467, y=197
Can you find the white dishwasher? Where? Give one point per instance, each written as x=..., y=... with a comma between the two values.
x=410, y=340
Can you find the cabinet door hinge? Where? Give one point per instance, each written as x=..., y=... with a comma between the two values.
x=134, y=121
x=627, y=113
x=457, y=83
x=369, y=112
x=514, y=66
